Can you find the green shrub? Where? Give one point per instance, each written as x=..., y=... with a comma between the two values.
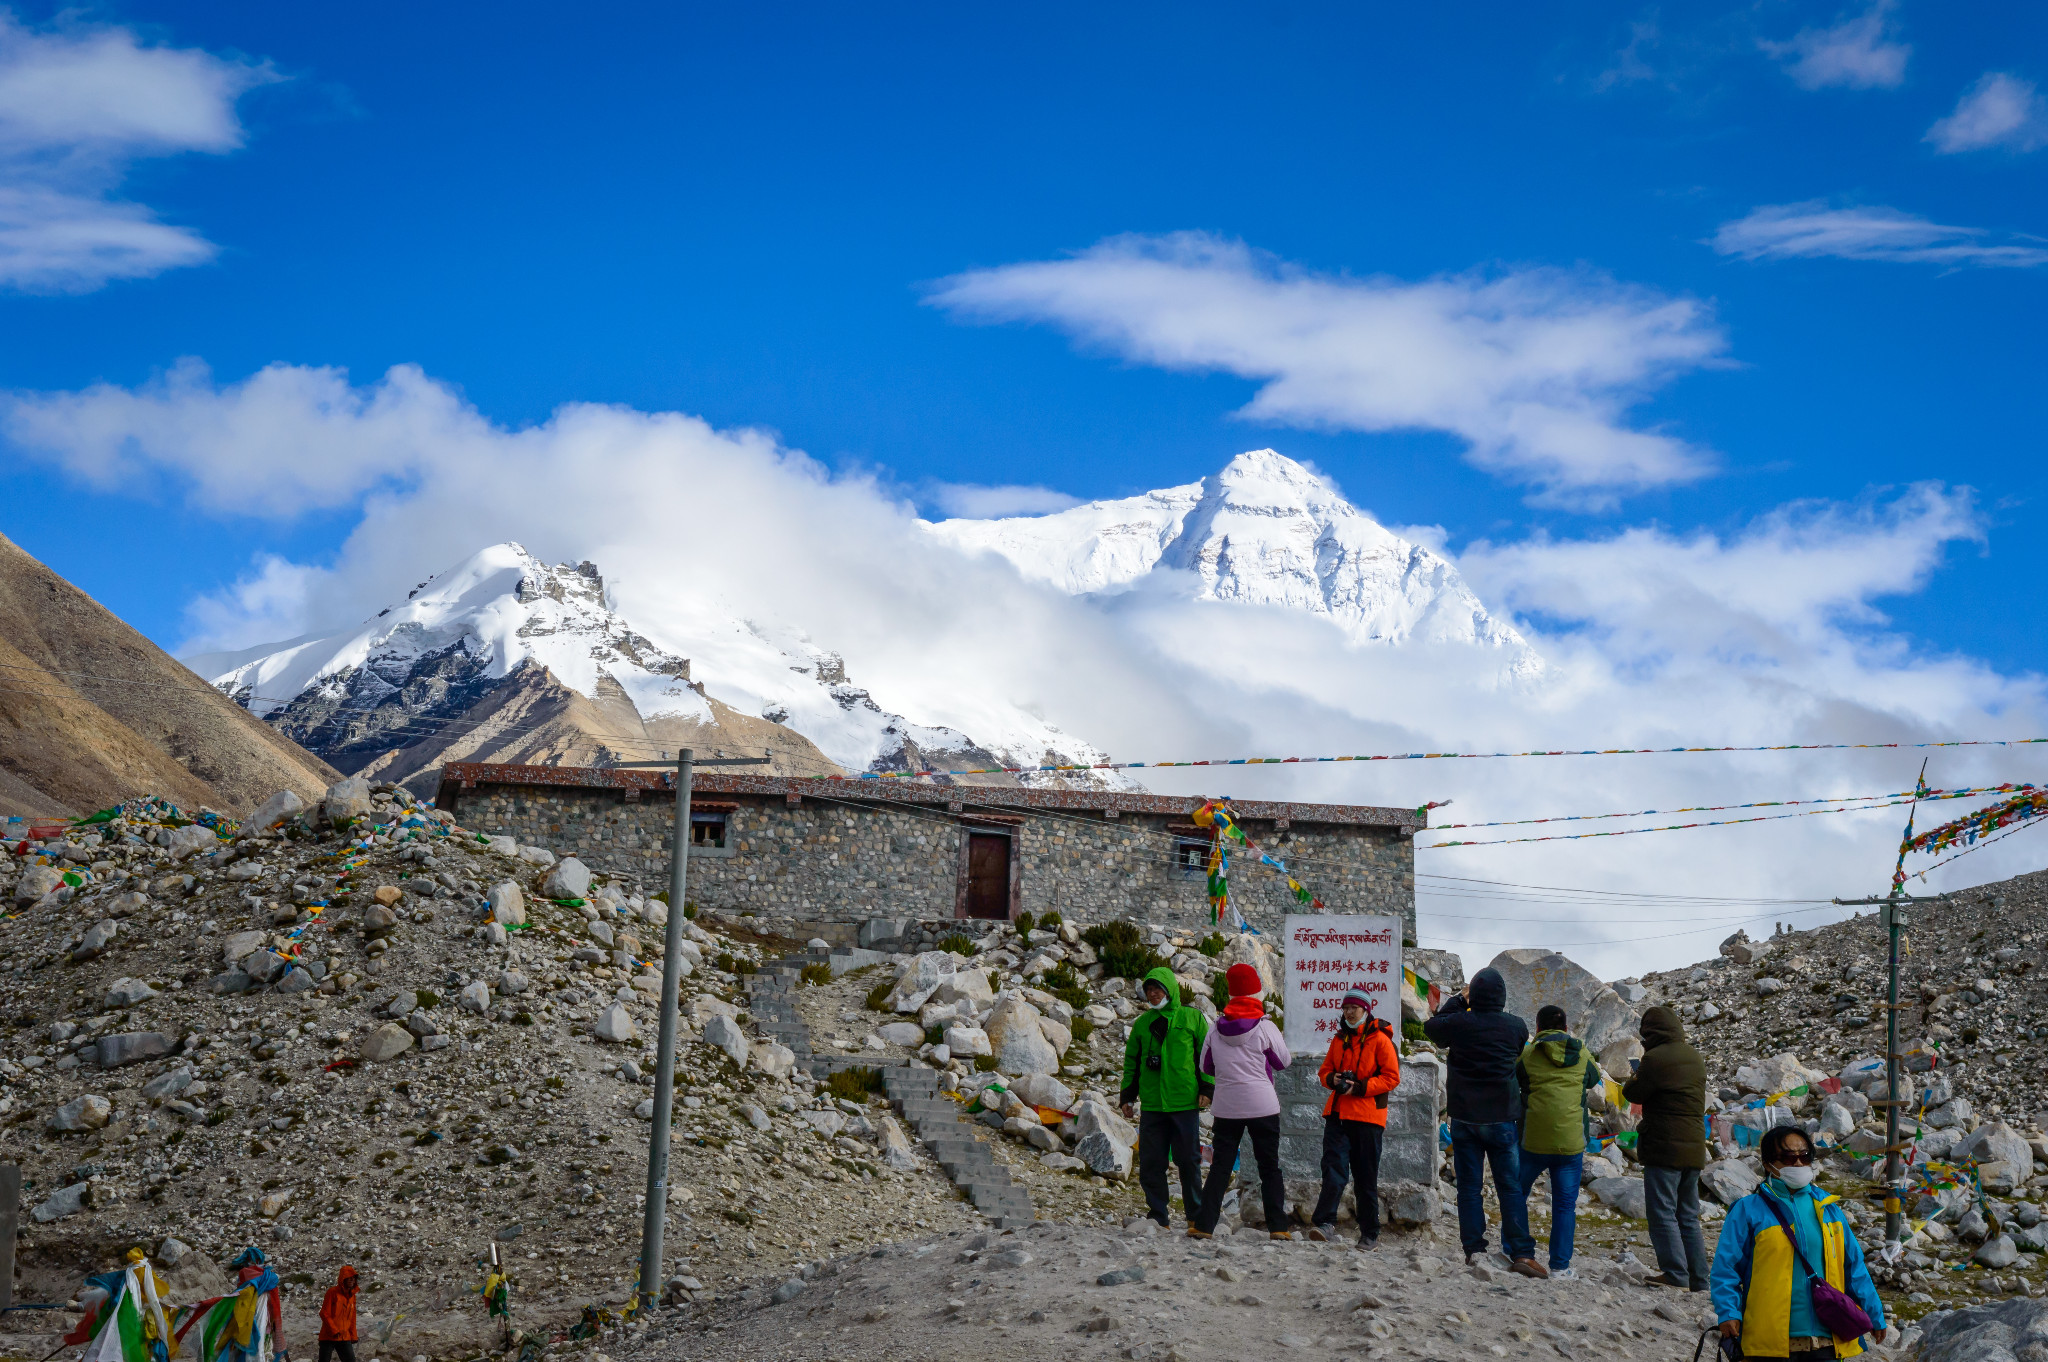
x=1082, y=1029
x=1219, y=992
x=958, y=944
x=985, y=1064
x=1412, y=1030
x=815, y=975
x=1122, y=953
x=1067, y=986
x=689, y=909
x=1051, y=922
x=935, y=1034
x=878, y=996
x=856, y=1084
x=1212, y=945
x=1024, y=923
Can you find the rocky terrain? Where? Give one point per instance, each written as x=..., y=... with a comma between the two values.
x=353, y=1031
x=91, y=711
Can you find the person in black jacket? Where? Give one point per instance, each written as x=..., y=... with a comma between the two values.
x=1485, y=1042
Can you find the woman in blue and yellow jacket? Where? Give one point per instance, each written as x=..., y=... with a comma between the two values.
x=1761, y=1292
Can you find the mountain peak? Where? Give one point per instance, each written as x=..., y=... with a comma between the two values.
x=1266, y=530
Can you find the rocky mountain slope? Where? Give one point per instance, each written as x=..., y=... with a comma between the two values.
x=503, y=658
x=91, y=711
x=1263, y=531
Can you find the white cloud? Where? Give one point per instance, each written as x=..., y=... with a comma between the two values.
x=978, y=502
x=1772, y=634
x=1791, y=231
x=1857, y=52
x=2000, y=110
x=1534, y=369
x=78, y=103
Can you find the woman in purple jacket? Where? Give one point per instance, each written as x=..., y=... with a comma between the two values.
x=1242, y=1053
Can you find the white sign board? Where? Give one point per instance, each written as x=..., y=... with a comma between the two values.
x=1329, y=955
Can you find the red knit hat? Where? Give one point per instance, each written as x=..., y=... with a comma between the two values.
x=1243, y=979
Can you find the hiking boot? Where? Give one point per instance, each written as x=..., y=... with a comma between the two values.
x=1194, y=1233
x=1529, y=1267
x=1472, y=1258
x=1666, y=1279
x=1323, y=1234
x=1367, y=1243
x=1281, y=1234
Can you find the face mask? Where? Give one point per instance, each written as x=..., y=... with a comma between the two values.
x=1161, y=1003
x=1797, y=1177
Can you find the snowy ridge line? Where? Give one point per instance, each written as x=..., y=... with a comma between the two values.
x=1462, y=756
x=1754, y=804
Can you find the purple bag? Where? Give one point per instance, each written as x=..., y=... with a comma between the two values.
x=1837, y=1311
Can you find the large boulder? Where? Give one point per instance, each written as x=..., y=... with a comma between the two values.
x=35, y=882
x=189, y=841
x=964, y=1040
x=1258, y=952
x=570, y=879
x=508, y=903
x=1593, y=1010
x=1043, y=1090
x=97, y=938
x=1779, y=1073
x=1623, y=1194
x=1093, y=1117
x=1104, y=1156
x=63, y=1202
x=1985, y=1333
x=1743, y=951
x=1997, y=1142
x=723, y=1032
x=239, y=944
x=283, y=805
x=921, y=977
x=1057, y=1034
x=776, y=1061
x=388, y=1041
x=1443, y=969
x=126, y=993
x=1728, y=1181
x=346, y=799
x=131, y=1047
x=970, y=986
x=1016, y=1037
x=89, y=1112
x=615, y=1024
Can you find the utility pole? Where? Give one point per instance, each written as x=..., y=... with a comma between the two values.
x=1893, y=917
x=656, y=1222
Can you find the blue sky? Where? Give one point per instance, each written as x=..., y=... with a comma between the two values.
x=742, y=216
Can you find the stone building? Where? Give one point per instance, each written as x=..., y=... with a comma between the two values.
x=840, y=852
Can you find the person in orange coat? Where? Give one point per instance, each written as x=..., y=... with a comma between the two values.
x=1361, y=1068
x=338, y=1318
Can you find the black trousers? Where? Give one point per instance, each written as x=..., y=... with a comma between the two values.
x=1229, y=1133
x=331, y=1348
x=1356, y=1144
x=1177, y=1133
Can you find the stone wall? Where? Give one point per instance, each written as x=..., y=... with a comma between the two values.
x=838, y=861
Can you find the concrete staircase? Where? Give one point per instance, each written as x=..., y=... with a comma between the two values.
x=913, y=1089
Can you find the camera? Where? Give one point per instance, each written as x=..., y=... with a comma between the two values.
x=1155, y=1062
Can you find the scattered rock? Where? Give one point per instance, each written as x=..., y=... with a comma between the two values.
x=388, y=1041
x=615, y=1024
x=87, y=1112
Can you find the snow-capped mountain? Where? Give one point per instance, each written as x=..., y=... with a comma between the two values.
x=1264, y=531
x=452, y=670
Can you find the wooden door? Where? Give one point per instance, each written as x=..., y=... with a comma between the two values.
x=988, y=875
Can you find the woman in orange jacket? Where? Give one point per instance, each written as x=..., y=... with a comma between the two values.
x=1361, y=1068
x=338, y=1318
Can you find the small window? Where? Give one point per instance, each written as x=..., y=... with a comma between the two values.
x=1191, y=854
x=707, y=829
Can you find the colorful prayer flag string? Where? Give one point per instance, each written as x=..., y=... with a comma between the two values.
x=1439, y=756
x=1709, y=823
x=1218, y=814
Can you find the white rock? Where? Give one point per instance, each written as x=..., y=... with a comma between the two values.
x=127, y=993
x=1998, y=1142
x=285, y=804
x=240, y=944
x=827, y=1122
x=1103, y=1155
x=967, y=1040
x=504, y=846
x=508, y=903
x=1093, y=1117
x=1043, y=1090
x=896, y=1150
x=346, y=799
x=1017, y=1039
x=568, y=880
x=87, y=1112
x=920, y=979
x=615, y=1024
x=475, y=997
x=776, y=1061
x=536, y=856
x=388, y=1041
x=968, y=987
x=65, y=1201
x=901, y=1033
x=723, y=1032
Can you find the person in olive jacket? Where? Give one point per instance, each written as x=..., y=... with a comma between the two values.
x=1161, y=1074
x=1670, y=1085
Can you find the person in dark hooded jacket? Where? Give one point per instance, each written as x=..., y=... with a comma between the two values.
x=1485, y=1042
x=1670, y=1085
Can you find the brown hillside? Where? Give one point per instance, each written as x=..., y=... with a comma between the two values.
x=92, y=712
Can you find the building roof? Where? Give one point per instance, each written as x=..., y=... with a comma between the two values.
x=954, y=798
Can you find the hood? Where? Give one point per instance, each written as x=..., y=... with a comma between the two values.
x=1661, y=1027
x=1165, y=979
x=1489, y=991
x=1559, y=1047
x=345, y=1276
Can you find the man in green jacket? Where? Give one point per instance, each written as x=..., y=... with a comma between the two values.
x=1160, y=1073
x=1671, y=1143
x=1554, y=1073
